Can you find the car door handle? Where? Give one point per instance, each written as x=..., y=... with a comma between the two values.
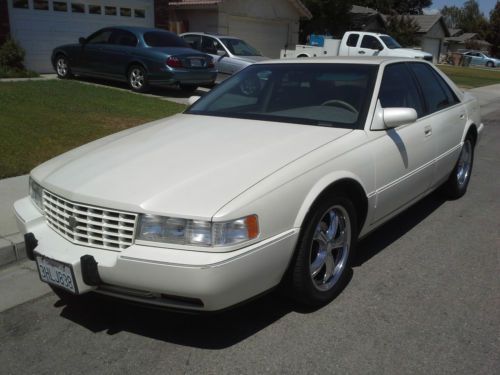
x=361, y=52
x=428, y=131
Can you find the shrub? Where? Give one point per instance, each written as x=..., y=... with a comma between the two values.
x=12, y=55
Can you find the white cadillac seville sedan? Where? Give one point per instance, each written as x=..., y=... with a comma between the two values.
x=267, y=180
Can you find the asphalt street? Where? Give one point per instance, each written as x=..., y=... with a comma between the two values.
x=424, y=298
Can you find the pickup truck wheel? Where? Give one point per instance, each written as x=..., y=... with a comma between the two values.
x=457, y=183
x=323, y=260
x=137, y=79
x=63, y=69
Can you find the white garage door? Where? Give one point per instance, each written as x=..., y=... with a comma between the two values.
x=41, y=25
x=269, y=37
x=432, y=45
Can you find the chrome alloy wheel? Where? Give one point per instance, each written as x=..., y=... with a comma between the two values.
x=62, y=67
x=136, y=78
x=330, y=248
x=464, y=163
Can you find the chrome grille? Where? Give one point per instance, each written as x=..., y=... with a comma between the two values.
x=89, y=226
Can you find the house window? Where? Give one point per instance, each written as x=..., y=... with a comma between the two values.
x=139, y=13
x=23, y=4
x=41, y=4
x=77, y=8
x=110, y=11
x=125, y=12
x=95, y=9
x=60, y=6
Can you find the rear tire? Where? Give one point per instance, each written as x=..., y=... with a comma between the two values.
x=457, y=183
x=137, y=79
x=322, y=264
x=63, y=69
x=188, y=88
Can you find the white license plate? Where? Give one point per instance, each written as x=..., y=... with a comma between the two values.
x=56, y=273
x=196, y=63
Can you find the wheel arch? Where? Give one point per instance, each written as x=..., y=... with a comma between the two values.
x=301, y=55
x=344, y=182
x=471, y=129
x=132, y=63
x=56, y=53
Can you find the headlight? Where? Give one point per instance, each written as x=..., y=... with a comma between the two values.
x=36, y=192
x=195, y=232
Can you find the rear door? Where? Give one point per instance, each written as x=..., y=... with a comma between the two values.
x=117, y=53
x=446, y=117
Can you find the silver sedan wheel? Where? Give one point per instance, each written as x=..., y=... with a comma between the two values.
x=136, y=78
x=464, y=163
x=62, y=67
x=330, y=248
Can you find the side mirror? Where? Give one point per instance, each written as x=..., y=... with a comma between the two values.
x=193, y=99
x=394, y=117
x=82, y=40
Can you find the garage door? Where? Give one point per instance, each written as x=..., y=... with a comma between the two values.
x=41, y=25
x=432, y=45
x=267, y=36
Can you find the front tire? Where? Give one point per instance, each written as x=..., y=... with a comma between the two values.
x=322, y=263
x=63, y=69
x=137, y=79
x=457, y=183
x=489, y=64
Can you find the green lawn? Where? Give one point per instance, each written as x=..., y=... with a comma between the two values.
x=42, y=119
x=466, y=77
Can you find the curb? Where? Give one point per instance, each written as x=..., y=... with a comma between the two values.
x=12, y=249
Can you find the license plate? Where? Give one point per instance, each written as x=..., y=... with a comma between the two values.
x=196, y=63
x=56, y=273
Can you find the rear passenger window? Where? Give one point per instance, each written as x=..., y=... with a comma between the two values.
x=352, y=41
x=434, y=95
x=398, y=89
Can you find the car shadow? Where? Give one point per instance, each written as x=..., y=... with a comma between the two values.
x=224, y=329
x=397, y=227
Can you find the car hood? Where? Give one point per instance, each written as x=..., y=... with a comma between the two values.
x=250, y=59
x=408, y=52
x=187, y=165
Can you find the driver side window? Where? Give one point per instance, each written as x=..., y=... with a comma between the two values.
x=210, y=45
x=371, y=42
x=398, y=89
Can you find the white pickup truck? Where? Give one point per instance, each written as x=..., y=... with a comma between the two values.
x=354, y=43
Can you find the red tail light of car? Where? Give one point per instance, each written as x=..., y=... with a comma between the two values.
x=174, y=62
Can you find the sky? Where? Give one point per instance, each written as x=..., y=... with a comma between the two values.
x=485, y=5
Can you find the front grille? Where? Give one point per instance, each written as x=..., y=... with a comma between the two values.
x=87, y=225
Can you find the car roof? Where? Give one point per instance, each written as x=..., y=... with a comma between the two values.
x=137, y=29
x=370, y=60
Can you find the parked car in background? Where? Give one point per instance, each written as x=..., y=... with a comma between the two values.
x=353, y=43
x=229, y=53
x=269, y=178
x=141, y=57
x=480, y=59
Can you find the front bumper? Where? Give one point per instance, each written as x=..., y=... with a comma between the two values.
x=168, y=277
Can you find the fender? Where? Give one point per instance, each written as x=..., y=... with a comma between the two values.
x=320, y=186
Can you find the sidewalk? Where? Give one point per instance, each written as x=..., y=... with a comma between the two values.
x=12, y=189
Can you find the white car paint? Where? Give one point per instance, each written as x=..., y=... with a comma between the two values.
x=219, y=169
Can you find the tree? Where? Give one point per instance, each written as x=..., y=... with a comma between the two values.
x=404, y=29
x=494, y=30
x=472, y=20
x=328, y=16
x=398, y=6
x=452, y=16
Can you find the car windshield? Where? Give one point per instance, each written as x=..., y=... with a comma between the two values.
x=163, y=39
x=239, y=47
x=321, y=94
x=390, y=42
